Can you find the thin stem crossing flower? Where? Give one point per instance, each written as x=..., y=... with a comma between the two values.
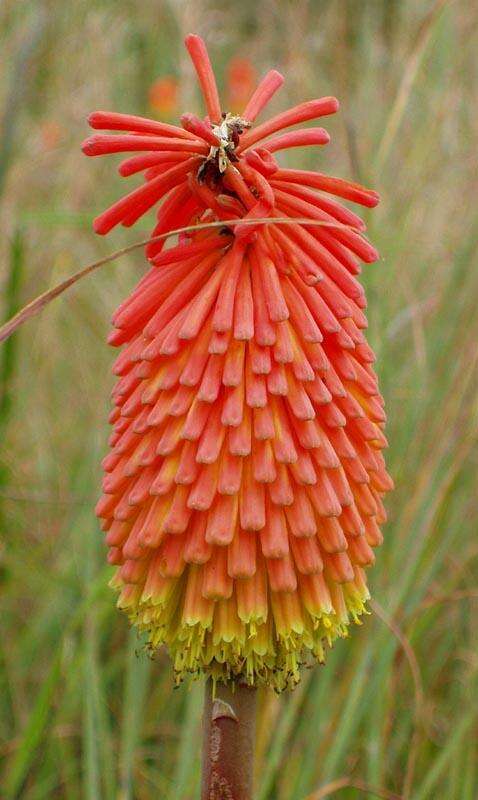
x=243, y=489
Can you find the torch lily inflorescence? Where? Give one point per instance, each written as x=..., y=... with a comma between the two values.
x=243, y=491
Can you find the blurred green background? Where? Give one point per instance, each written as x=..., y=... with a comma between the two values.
x=393, y=714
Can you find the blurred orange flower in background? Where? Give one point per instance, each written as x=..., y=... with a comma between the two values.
x=241, y=80
x=163, y=96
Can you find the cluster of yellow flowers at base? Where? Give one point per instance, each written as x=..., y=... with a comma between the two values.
x=237, y=638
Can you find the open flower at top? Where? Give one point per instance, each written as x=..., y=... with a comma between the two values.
x=243, y=491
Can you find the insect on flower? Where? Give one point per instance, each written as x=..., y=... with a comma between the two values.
x=243, y=490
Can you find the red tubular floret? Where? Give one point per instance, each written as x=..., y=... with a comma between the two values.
x=198, y=127
x=176, y=210
x=312, y=109
x=181, y=251
x=268, y=86
x=304, y=138
x=130, y=166
x=262, y=160
x=101, y=145
x=136, y=203
x=353, y=240
x=264, y=204
x=112, y=121
x=200, y=58
x=336, y=210
x=326, y=183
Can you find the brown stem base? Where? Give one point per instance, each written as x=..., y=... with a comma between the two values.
x=228, y=742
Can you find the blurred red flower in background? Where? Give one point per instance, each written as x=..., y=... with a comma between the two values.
x=241, y=80
x=163, y=96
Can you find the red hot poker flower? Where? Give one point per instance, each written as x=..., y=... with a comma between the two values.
x=243, y=491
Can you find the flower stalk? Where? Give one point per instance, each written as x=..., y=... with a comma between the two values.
x=229, y=724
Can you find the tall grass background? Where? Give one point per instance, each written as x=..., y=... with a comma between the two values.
x=393, y=714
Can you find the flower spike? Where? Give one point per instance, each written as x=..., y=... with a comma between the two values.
x=243, y=491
